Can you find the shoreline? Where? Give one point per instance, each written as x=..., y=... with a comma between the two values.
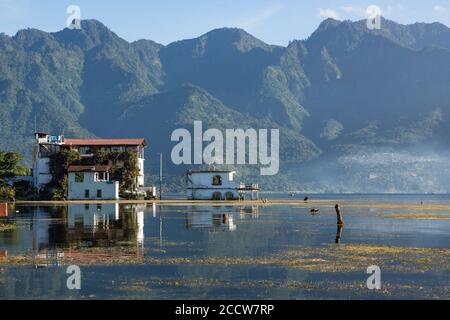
x=320, y=203
x=180, y=202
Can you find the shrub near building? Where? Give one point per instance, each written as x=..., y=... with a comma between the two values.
x=10, y=168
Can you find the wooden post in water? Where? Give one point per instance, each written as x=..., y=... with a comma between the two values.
x=340, y=220
x=339, y=233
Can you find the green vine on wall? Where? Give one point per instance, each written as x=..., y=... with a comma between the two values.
x=124, y=168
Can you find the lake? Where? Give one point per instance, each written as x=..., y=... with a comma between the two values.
x=260, y=251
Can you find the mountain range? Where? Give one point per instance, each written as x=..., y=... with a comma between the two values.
x=359, y=110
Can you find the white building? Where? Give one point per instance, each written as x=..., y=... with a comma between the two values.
x=217, y=185
x=88, y=147
x=47, y=145
x=91, y=183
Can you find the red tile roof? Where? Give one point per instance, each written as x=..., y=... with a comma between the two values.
x=105, y=142
x=97, y=168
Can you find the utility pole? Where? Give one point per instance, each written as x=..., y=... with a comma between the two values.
x=160, y=175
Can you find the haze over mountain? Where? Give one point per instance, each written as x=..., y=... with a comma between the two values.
x=355, y=107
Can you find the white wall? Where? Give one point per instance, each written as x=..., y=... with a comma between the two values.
x=200, y=186
x=110, y=189
x=41, y=172
x=141, y=173
x=205, y=179
x=207, y=194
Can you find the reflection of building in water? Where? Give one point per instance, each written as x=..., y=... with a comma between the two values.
x=252, y=211
x=49, y=233
x=210, y=220
x=104, y=224
x=216, y=219
x=96, y=216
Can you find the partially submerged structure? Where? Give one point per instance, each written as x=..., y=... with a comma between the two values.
x=218, y=185
x=96, y=159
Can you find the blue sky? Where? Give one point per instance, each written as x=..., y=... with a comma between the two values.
x=164, y=21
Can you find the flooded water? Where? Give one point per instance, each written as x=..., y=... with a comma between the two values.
x=264, y=251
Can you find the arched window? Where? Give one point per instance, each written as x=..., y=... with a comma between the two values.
x=217, y=196
x=217, y=181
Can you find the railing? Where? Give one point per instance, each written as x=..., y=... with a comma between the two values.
x=244, y=186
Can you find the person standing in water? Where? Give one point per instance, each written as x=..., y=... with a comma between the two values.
x=340, y=220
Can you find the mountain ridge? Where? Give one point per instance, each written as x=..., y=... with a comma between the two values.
x=343, y=88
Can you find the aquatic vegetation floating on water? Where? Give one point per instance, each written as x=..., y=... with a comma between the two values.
x=416, y=216
x=330, y=258
x=7, y=226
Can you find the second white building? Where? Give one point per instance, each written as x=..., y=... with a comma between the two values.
x=91, y=183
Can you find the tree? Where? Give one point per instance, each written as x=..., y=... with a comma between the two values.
x=9, y=168
x=58, y=165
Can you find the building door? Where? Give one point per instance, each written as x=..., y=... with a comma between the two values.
x=86, y=194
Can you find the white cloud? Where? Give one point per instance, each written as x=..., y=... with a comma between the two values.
x=328, y=13
x=439, y=8
x=358, y=10
x=361, y=11
x=256, y=20
x=391, y=11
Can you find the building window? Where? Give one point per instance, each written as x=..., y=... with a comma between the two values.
x=79, y=177
x=99, y=193
x=85, y=151
x=217, y=181
x=86, y=193
x=100, y=176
